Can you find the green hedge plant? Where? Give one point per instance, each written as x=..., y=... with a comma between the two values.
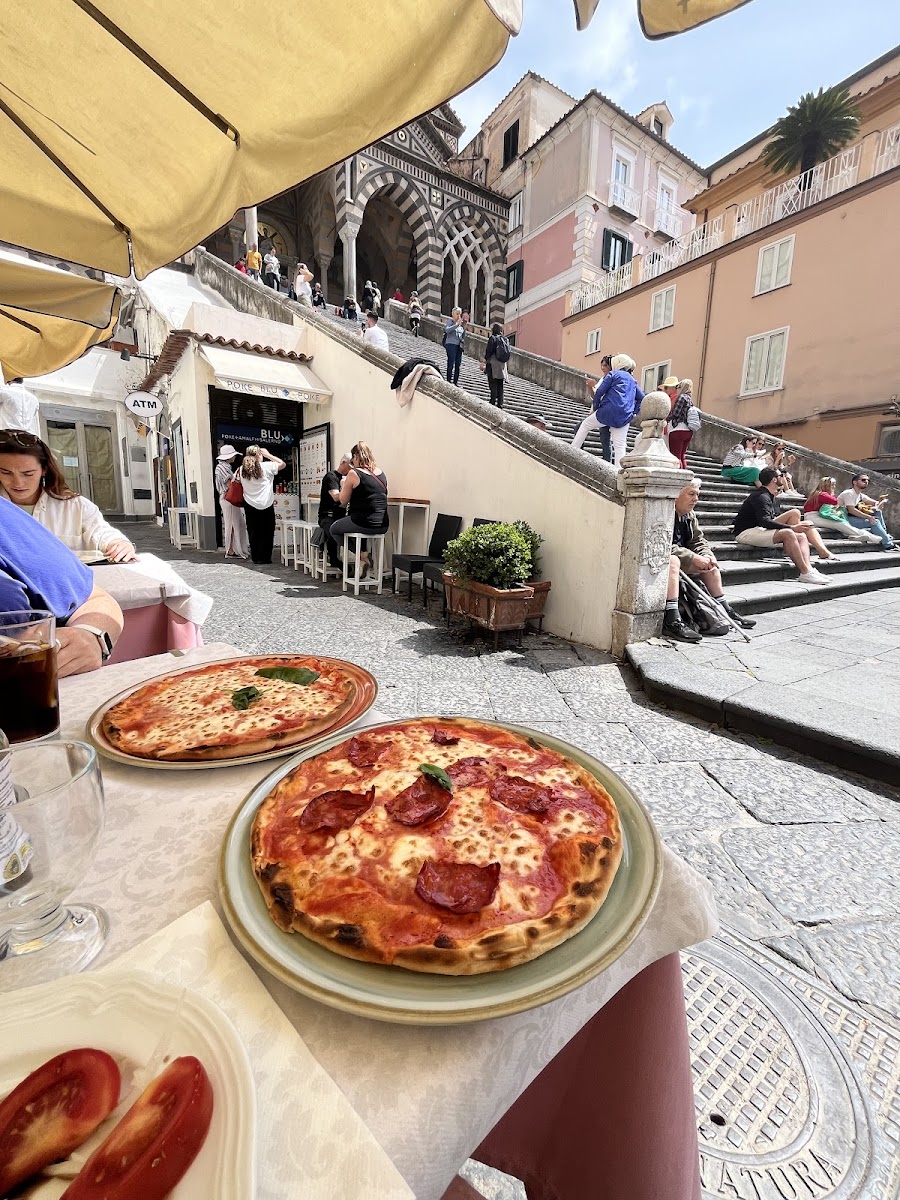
x=498, y=555
x=534, y=541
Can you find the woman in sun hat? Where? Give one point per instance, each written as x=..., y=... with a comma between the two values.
x=234, y=523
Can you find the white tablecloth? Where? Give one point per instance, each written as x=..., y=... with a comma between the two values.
x=152, y=581
x=429, y=1095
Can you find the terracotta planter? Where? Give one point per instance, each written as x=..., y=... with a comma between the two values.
x=491, y=608
x=538, y=601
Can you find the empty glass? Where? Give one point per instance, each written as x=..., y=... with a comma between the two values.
x=52, y=830
x=29, y=691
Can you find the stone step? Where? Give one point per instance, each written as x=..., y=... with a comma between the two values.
x=728, y=549
x=764, y=597
x=737, y=572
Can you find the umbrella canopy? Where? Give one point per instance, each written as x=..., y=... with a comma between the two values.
x=48, y=318
x=152, y=124
x=662, y=18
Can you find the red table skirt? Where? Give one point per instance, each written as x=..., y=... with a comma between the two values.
x=612, y=1116
x=154, y=629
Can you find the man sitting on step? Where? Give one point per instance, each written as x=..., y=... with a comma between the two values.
x=757, y=525
x=692, y=554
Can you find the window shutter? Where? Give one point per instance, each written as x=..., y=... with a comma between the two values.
x=669, y=307
x=648, y=383
x=767, y=268
x=754, y=364
x=775, y=361
x=655, y=310
x=783, y=268
x=629, y=251
x=606, y=252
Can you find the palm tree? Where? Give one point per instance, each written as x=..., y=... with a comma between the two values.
x=811, y=131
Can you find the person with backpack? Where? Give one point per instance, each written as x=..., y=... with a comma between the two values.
x=496, y=356
x=416, y=313
x=684, y=421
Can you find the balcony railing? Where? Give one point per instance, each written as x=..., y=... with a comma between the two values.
x=686, y=248
x=794, y=195
x=888, y=155
x=669, y=220
x=610, y=285
x=624, y=198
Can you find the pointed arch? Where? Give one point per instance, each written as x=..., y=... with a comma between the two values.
x=474, y=246
x=409, y=198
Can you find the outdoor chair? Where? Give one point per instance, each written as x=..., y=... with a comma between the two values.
x=445, y=530
x=433, y=572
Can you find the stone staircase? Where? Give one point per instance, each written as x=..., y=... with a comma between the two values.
x=756, y=580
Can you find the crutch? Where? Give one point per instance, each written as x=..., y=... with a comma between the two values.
x=707, y=595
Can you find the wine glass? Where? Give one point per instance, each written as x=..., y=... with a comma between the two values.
x=48, y=838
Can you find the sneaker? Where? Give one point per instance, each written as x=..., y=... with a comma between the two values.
x=674, y=627
x=813, y=577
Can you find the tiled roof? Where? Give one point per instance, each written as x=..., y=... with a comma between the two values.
x=179, y=340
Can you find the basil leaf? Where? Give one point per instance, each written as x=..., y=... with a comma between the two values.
x=437, y=773
x=244, y=697
x=300, y=675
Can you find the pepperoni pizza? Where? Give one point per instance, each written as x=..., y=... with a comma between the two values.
x=231, y=709
x=450, y=846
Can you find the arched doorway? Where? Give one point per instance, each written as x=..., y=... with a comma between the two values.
x=385, y=247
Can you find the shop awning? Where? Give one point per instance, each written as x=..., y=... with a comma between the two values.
x=275, y=377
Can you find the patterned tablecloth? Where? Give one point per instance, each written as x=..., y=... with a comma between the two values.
x=429, y=1095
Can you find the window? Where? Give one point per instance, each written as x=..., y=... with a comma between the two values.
x=652, y=376
x=662, y=309
x=665, y=200
x=514, y=280
x=617, y=250
x=764, y=362
x=593, y=341
x=515, y=211
x=510, y=143
x=889, y=440
x=622, y=165
x=657, y=126
x=479, y=174
x=774, y=268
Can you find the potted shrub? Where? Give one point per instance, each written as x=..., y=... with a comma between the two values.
x=486, y=566
x=541, y=587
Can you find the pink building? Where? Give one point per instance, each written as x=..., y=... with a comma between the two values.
x=589, y=187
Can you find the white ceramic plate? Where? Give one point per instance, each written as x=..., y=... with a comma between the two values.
x=143, y=1023
x=416, y=998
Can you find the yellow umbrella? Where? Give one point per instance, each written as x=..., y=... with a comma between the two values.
x=48, y=318
x=153, y=123
x=662, y=18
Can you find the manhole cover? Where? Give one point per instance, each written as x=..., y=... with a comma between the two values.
x=782, y=1112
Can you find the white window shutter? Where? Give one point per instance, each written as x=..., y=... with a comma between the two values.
x=755, y=359
x=775, y=361
x=767, y=268
x=656, y=311
x=648, y=381
x=669, y=298
x=783, y=268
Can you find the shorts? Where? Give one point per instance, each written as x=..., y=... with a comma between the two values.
x=757, y=536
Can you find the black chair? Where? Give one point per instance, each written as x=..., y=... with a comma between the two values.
x=433, y=577
x=483, y=521
x=445, y=530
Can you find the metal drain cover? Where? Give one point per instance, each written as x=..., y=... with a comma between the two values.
x=783, y=1112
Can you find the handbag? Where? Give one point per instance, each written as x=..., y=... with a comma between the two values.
x=833, y=512
x=317, y=537
x=234, y=493
x=693, y=418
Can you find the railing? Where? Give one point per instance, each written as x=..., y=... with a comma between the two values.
x=888, y=155
x=624, y=198
x=686, y=248
x=669, y=220
x=794, y=195
x=589, y=294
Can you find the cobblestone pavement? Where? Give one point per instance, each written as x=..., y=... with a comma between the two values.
x=803, y=858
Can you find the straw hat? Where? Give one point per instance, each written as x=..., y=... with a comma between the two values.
x=226, y=453
x=670, y=381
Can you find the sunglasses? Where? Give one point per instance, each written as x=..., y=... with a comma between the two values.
x=18, y=437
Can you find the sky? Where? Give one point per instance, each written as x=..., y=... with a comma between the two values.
x=725, y=82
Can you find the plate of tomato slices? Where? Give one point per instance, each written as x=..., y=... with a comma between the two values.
x=119, y=1087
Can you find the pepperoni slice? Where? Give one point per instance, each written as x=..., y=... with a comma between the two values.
x=422, y=801
x=441, y=737
x=521, y=795
x=363, y=752
x=467, y=771
x=335, y=810
x=460, y=887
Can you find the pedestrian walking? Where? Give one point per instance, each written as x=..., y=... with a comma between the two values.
x=496, y=356
x=684, y=421
x=272, y=271
x=257, y=474
x=368, y=295
x=454, y=332
x=318, y=297
x=615, y=401
x=254, y=262
x=376, y=298
x=416, y=312
x=234, y=522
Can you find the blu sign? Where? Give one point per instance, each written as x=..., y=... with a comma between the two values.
x=225, y=431
x=142, y=404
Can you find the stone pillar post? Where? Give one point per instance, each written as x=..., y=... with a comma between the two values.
x=650, y=479
x=348, y=234
x=250, y=224
x=235, y=235
x=323, y=262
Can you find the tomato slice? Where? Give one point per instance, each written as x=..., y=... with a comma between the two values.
x=154, y=1143
x=53, y=1111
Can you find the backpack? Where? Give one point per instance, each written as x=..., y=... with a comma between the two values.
x=692, y=420
x=701, y=613
x=501, y=348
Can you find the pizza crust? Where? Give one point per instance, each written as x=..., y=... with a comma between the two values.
x=585, y=864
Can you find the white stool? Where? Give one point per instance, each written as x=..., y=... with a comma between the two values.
x=320, y=567
x=376, y=561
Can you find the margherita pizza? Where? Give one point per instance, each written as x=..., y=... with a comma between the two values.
x=231, y=709
x=449, y=846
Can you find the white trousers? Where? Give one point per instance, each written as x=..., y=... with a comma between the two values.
x=841, y=528
x=618, y=437
x=234, y=530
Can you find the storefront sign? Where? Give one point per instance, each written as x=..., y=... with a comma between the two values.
x=250, y=388
x=249, y=434
x=142, y=404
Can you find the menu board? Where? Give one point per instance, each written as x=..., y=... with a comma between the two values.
x=314, y=453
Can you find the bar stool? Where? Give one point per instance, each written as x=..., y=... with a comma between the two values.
x=320, y=567
x=376, y=559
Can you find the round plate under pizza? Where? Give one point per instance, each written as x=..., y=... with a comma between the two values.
x=366, y=690
x=415, y=998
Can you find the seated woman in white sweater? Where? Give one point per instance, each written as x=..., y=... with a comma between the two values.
x=31, y=477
